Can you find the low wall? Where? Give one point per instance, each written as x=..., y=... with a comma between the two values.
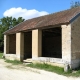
x=10, y=56
x=53, y=61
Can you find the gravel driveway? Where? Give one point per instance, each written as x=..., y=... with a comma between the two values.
x=19, y=72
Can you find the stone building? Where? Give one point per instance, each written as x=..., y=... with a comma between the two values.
x=53, y=38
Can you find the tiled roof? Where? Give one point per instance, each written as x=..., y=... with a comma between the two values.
x=58, y=18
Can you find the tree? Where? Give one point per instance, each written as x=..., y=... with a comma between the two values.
x=5, y=24
x=75, y=4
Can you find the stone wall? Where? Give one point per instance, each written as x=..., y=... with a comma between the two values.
x=36, y=43
x=66, y=44
x=75, y=42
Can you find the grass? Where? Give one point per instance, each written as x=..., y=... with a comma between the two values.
x=55, y=69
x=14, y=62
x=76, y=74
x=47, y=67
x=1, y=54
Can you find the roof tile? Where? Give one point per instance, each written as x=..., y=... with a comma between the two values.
x=61, y=17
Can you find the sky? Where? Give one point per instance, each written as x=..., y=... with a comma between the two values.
x=32, y=8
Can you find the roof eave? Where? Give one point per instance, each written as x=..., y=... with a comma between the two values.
x=49, y=26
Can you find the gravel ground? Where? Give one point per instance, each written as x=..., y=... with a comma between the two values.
x=19, y=72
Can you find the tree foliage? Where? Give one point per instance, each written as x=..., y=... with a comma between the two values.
x=7, y=23
x=75, y=4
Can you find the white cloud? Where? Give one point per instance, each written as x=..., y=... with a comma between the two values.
x=26, y=14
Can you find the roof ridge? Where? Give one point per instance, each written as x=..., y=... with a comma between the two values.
x=53, y=13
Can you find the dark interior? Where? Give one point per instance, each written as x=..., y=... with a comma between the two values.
x=12, y=44
x=51, y=43
x=27, y=45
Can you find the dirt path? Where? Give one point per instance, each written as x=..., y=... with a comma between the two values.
x=25, y=73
